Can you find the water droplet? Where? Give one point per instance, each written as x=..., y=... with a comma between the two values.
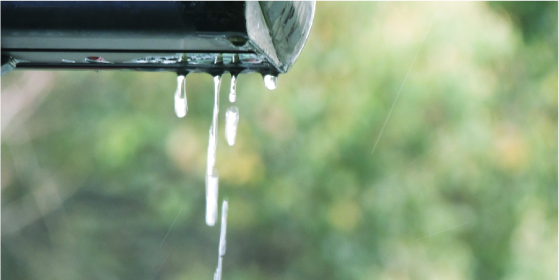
x=271, y=82
x=231, y=122
x=211, y=172
x=218, y=59
x=212, y=188
x=181, y=105
x=233, y=92
x=222, y=240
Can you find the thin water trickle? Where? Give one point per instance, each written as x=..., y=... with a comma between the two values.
x=222, y=240
x=181, y=105
x=211, y=172
x=271, y=81
x=217, y=274
x=231, y=122
x=233, y=92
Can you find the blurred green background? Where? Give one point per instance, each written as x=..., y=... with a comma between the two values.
x=96, y=167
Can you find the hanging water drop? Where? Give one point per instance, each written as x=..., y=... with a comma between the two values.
x=211, y=172
x=271, y=81
x=181, y=105
x=231, y=122
x=233, y=92
x=212, y=190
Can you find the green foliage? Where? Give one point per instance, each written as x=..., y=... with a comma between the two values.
x=536, y=21
x=100, y=180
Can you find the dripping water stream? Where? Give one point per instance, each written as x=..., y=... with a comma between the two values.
x=211, y=172
x=212, y=176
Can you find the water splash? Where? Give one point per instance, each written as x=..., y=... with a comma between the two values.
x=181, y=105
x=222, y=240
x=233, y=92
x=271, y=81
x=231, y=122
x=211, y=172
